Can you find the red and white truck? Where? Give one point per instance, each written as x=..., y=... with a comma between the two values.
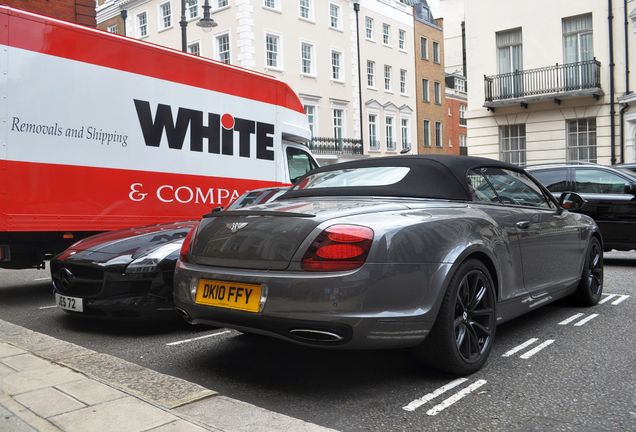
x=100, y=132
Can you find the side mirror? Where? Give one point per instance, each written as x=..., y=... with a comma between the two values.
x=630, y=189
x=571, y=201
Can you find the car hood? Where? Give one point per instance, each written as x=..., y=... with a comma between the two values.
x=124, y=246
x=267, y=236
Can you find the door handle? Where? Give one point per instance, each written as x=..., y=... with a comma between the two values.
x=523, y=224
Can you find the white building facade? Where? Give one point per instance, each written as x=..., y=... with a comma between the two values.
x=311, y=45
x=542, y=88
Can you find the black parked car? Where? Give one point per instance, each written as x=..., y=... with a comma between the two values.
x=610, y=196
x=127, y=274
x=627, y=168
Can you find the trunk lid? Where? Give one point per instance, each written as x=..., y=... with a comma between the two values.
x=266, y=237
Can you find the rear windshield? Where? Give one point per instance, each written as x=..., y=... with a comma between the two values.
x=353, y=177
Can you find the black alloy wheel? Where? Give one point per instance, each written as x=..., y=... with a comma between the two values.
x=590, y=287
x=474, y=318
x=464, y=331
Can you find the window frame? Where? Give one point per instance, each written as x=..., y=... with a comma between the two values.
x=339, y=77
x=388, y=78
x=278, y=52
x=312, y=62
x=139, y=26
x=161, y=21
x=369, y=29
x=217, y=48
x=310, y=10
x=337, y=17
x=386, y=34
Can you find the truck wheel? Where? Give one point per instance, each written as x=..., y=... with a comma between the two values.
x=590, y=288
x=464, y=331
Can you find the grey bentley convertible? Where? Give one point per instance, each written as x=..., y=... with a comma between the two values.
x=430, y=252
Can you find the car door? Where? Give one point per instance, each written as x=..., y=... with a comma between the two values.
x=549, y=238
x=611, y=201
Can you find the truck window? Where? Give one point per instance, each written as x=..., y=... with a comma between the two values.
x=299, y=163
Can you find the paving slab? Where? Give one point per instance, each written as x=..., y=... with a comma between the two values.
x=11, y=422
x=90, y=391
x=25, y=362
x=48, y=402
x=22, y=382
x=6, y=370
x=7, y=350
x=128, y=414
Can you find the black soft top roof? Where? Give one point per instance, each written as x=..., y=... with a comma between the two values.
x=430, y=176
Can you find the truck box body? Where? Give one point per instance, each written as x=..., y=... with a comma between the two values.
x=100, y=132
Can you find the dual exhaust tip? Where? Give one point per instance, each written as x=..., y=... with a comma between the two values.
x=310, y=335
x=306, y=335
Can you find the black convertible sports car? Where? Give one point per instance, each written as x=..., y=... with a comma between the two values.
x=430, y=252
x=127, y=274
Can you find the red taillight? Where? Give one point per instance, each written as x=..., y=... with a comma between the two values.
x=185, y=247
x=339, y=247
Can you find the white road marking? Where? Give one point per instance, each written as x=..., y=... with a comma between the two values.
x=620, y=300
x=456, y=397
x=572, y=318
x=585, y=320
x=609, y=297
x=44, y=278
x=430, y=396
x=520, y=347
x=536, y=349
x=47, y=307
x=198, y=338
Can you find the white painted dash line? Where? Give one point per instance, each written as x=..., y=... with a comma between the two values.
x=608, y=298
x=585, y=320
x=620, y=300
x=47, y=307
x=536, y=349
x=520, y=347
x=456, y=397
x=572, y=318
x=430, y=396
x=198, y=338
x=43, y=278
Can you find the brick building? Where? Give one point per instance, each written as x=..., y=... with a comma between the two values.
x=456, y=105
x=77, y=11
x=430, y=82
x=112, y=16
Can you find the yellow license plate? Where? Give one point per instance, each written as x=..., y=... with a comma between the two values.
x=230, y=295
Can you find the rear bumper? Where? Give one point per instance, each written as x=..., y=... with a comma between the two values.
x=376, y=306
x=127, y=309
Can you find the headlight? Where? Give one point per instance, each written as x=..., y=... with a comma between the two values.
x=148, y=263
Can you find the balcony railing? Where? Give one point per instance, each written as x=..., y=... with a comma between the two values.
x=561, y=79
x=335, y=146
x=462, y=121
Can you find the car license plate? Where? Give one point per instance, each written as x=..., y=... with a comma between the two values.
x=230, y=295
x=69, y=303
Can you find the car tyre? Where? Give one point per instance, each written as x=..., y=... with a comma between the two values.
x=461, y=338
x=590, y=287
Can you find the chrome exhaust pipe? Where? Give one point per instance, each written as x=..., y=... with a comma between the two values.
x=316, y=335
x=183, y=314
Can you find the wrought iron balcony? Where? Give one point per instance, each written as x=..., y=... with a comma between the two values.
x=335, y=146
x=551, y=82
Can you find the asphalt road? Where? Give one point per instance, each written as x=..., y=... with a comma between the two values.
x=559, y=368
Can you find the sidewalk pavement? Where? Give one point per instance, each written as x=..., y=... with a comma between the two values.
x=51, y=385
